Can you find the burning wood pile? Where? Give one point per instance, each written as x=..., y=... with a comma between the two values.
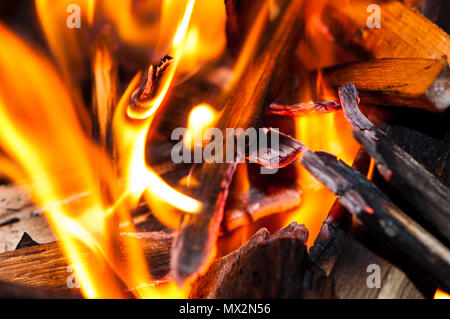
x=124, y=176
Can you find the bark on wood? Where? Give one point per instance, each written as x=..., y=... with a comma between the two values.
x=244, y=108
x=428, y=195
x=404, y=32
x=417, y=83
x=265, y=267
x=380, y=216
x=45, y=266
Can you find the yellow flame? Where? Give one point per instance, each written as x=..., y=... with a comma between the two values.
x=441, y=295
x=42, y=134
x=91, y=11
x=200, y=118
x=131, y=128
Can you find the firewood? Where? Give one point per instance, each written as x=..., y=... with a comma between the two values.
x=380, y=216
x=303, y=109
x=45, y=266
x=13, y=291
x=331, y=237
x=238, y=22
x=339, y=252
x=417, y=83
x=427, y=195
x=286, y=152
x=404, y=32
x=265, y=267
x=244, y=108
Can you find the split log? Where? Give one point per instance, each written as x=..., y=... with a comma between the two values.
x=404, y=32
x=265, y=267
x=244, y=108
x=417, y=83
x=429, y=197
x=45, y=266
x=380, y=216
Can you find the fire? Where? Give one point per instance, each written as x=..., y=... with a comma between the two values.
x=200, y=118
x=331, y=133
x=47, y=146
x=441, y=295
x=44, y=125
x=41, y=133
x=131, y=128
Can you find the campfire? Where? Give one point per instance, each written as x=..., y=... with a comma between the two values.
x=224, y=149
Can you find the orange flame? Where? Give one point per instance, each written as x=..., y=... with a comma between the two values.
x=131, y=128
x=441, y=295
x=326, y=132
x=41, y=132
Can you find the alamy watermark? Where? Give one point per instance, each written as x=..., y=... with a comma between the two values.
x=374, y=279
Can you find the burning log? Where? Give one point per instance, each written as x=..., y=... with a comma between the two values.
x=341, y=251
x=418, y=83
x=404, y=32
x=302, y=109
x=288, y=150
x=238, y=23
x=12, y=291
x=45, y=266
x=428, y=196
x=259, y=269
x=194, y=246
x=380, y=216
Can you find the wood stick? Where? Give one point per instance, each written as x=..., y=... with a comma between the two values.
x=45, y=266
x=404, y=32
x=244, y=108
x=380, y=216
x=303, y=109
x=429, y=197
x=417, y=83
